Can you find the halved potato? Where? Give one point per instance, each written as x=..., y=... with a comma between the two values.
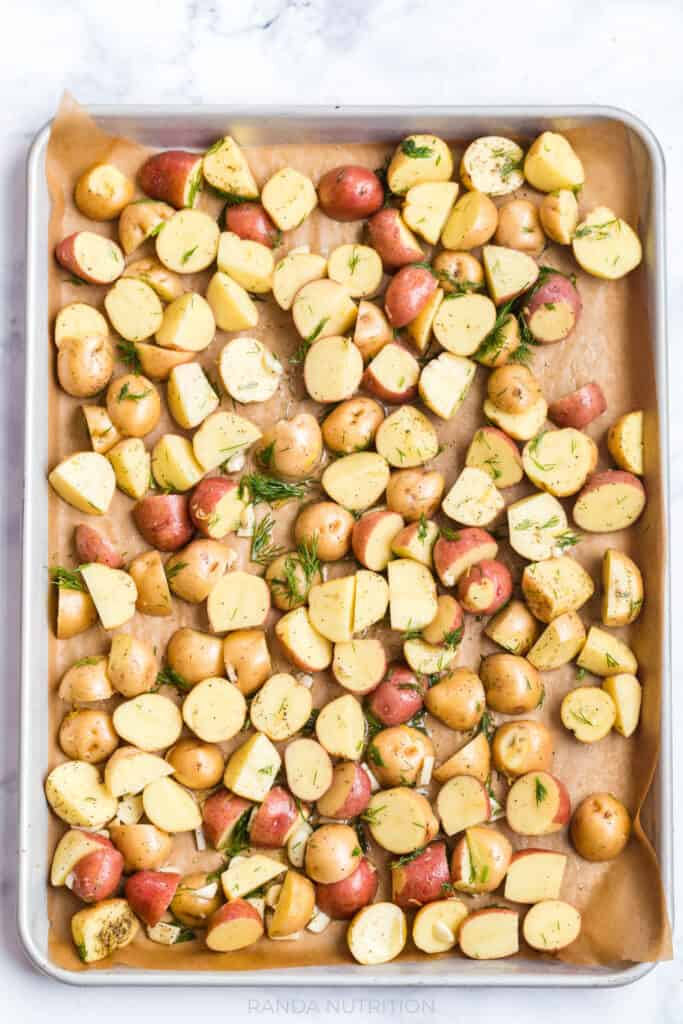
x=427, y=207
x=555, y=586
x=215, y=710
x=308, y=768
x=428, y=659
x=188, y=242
x=330, y=608
x=281, y=707
x=171, y=807
x=558, y=643
x=406, y=438
x=249, y=371
x=132, y=465
x=474, y=499
x=625, y=442
x=245, y=874
x=606, y=246
x=323, y=308
x=190, y=395
x=377, y=933
x=134, y=309
x=416, y=159
x=157, y=362
x=445, y=382
x=79, y=320
x=537, y=526
x=622, y=589
x=551, y=163
x=113, y=593
x=589, y=712
x=129, y=770
x=494, y=452
x=289, y=197
x=490, y=934
x=436, y=925
x=230, y=304
x=149, y=722
x=357, y=481
x=333, y=369
x=222, y=435
x=522, y=426
x=249, y=263
x=509, y=272
x=472, y=222
x=238, y=601
x=462, y=321
x=357, y=267
x=305, y=647
x=167, y=285
x=493, y=165
x=188, y=324
x=610, y=501
x=341, y=728
x=560, y=461
x=77, y=795
x=551, y=925
x=372, y=599
x=87, y=481
x=293, y=272
x=604, y=654
x=513, y=628
x=401, y=820
x=252, y=768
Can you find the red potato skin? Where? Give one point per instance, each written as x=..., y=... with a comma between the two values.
x=397, y=698
x=446, y=621
x=383, y=233
x=374, y=384
x=408, y=293
x=579, y=408
x=274, y=819
x=421, y=880
x=349, y=793
x=235, y=910
x=205, y=497
x=341, y=900
x=488, y=569
x=556, y=289
x=220, y=813
x=251, y=222
x=469, y=539
x=166, y=176
x=92, y=546
x=350, y=193
x=610, y=476
x=164, y=520
x=150, y=893
x=97, y=876
x=65, y=254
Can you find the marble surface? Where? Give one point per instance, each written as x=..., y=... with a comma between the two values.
x=622, y=52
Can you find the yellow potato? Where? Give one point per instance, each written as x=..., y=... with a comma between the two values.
x=294, y=271
x=622, y=589
x=87, y=680
x=508, y=272
x=463, y=321
x=604, y=654
x=377, y=933
x=238, y=601
x=560, y=461
x=520, y=426
x=427, y=207
x=405, y=439
x=474, y=499
x=558, y=643
x=134, y=309
x=627, y=694
x=86, y=481
x=222, y=435
x=190, y=396
x=226, y=169
x=472, y=222
x=103, y=433
x=625, y=442
x=170, y=807
x=606, y=246
x=289, y=197
x=559, y=213
x=79, y=320
x=330, y=608
x=100, y=930
x=150, y=722
x=513, y=628
x=102, y=192
x=215, y=710
x=87, y=735
x=132, y=666
x=356, y=481
x=302, y=643
x=154, y=596
x=85, y=365
x=321, y=309
x=281, y=707
x=188, y=242
x=417, y=159
x=551, y=164
x=538, y=527
x=412, y=594
x=556, y=586
x=493, y=165
x=249, y=371
x=436, y=925
x=420, y=329
x=129, y=770
x=167, y=285
x=188, y=323
x=252, y=768
x=249, y=263
x=357, y=267
x=174, y=465
x=589, y=712
x=113, y=593
x=132, y=466
x=77, y=795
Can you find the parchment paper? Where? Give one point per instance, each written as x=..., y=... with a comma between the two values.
x=622, y=902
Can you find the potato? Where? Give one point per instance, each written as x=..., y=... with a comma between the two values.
x=194, y=571
x=196, y=899
x=462, y=802
x=216, y=507
x=87, y=735
x=627, y=694
x=289, y=197
x=534, y=876
x=84, y=365
x=604, y=654
x=132, y=465
x=281, y=707
x=605, y=246
x=86, y=481
x=556, y=586
x=249, y=263
x=292, y=448
x=328, y=526
x=472, y=222
x=77, y=795
x=249, y=371
x=445, y=382
x=412, y=594
x=395, y=243
x=149, y=721
x=214, y=710
x=323, y=309
x=103, y=434
x=293, y=272
x=522, y=747
x=86, y=681
x=513, y=628
x=559, y=214
x=493, y=165
x=422, y=878
x=398, y=697
x=520, y=426
x=622, y=589
x=579, y=408
x=625, y=442
x=90, y=257
x=436, y=926
x=496, y=454
x=79, y=320
x=463, y=321
x=246, y=873
x=490, y=934
x=235, y=925
x=157, y=362
x=352, y=425
x=447, y=625
x=222, y=435
x=427, y=206
x=333, y=369
x=553, y=309
x=357, y=481
x=538, y=804
x=92, y=546
x=196, y=765
x=512, y=684
x=251, y=222
x=419, y=158
x=164, y=521
x=294, y=908
x=458, y=699
x=474, y=499
x=508, y=272
x=75, y=613
x=170, y=807
x=341, y=900
x=610, y=501
x=189, y=324
x=551, y=164
x=519, y=227
x=139, y=221
x=472, y=759
x=538, y=527
x=102, y=192
x=588, y=712
x=341, y=727
x=480, y=860
x=400, y=756
x=305, y=647
x=174, y=466
x=173, y=176
x=144, y=847
x=194, y=655
x=551, y=925
x=190, y=396
x=238, y=601
x=251, y=769
x=188, y=242
x=226, y=169
x=416, y=541
x=332, y=853
x=377, y=934
x=393, y=374
x=134, y=309
x=420, y=329
x=400, y=820
x=100, y=930
x=409, y=291
x=133, y=404
x=290, y=578
x=113, y=593
x=132, y=665
x=405, y=439
x=149, y=894
x=359, y=665
x=485, y=588
x=372, y=600
x=350, y=193
x=513, y=389
x=600, y=827
x=371, y=330
x=357, y=267
x=414, y=493
x=558, y=643
x=308, y=768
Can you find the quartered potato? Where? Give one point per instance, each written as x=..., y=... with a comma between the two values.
x=412, y=594
x=493, y=165
x=330, y=608
x=472, y=222
x=625, y=442
x=174, y=465
x=357, y=267
x=130, y=769
x=132, y=465
x=606, y=246
x=560, y=461
x=86, y=481
x=79, y=320
x=627, y=694
x=589, y=712
x=392, y=374
x=555, y=586
x=427, y=206
x=252, y=768
x=134, y=309
x=305, y=647
x=420, y=329
x=214, y=710
x=170, y=807
x=445, y=382
x=308, y=769
x=427, y=659
x=323, y=308
x=188, y=242
x=77, y=795
x=281, y=707
x=341, y=727
x=496, y=454
x=357, y=481
x=100, y=930
x=417, y=159
x=238, y=601
x=509, y=272
x=230, y=304
x=222, y=435
x=226, y=169
x=150, y=722
x=113, y=593
x=521, y=426
x=462, y=322
x=249, y=263
x=188, y=324
x=604, y=654
x=249, y=371
x=538, y=527
x=552, y=164
x=190, y=395
x=372, y=599
x=474, y=499
x=559, y=643
x=292, y=272
x=103, y=433
x=333, y=369
x=559, y=215
x=513, y=628
x=289, y=197
x=622, y=589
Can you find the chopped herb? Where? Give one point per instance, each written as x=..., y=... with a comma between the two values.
x=540, y=791
x=267, y=769
x=532, y=449
x=356, y=851
x=215, y=147
x=375, y=757
x=126, y=395
x=239, y=837
x=271, y=490
x=611, y=662
x=412, y=634
x=354, y=260
x=188, y=254
x=128, y=354
x=374, y=725
x=67, y=579
x=173, y=570
x=195, y=189
x=317, y=330
x=169, y=677
x=447, y=888
x=87, y=661
x=422, y=527
x=486, y=725
x=509, y=166
x=265, y=455
x=408, y=858
x=308, y=727
x=581, y=673
x=362, y=837
x=595, y=231
x=82, y=951
x=263, y=550
x=453, y=637
x=566, y=539
x=581, y=717
x=415, y=152
x=371, y=815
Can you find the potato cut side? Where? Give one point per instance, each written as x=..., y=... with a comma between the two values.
x=100, y=930
x=249, y=371
x=168, y=286
x=420, y=329
x=445, y=382
x=560, y=461
x=252, y=768
x=417, y=159
x=509, y=272
x=340, y=728
x=302, y=643
x=188, y=324
x=492, y=164
x=154, y=594
x=308, y=769
x=225, y=168
x=249, y=263
x=427, y=659
x=222, y=435
x=170, y=807
x=188, y=241
x=113, y=593
x=174, y=465
x=625, y=442
x=214, y=710
x=73, y=845
x=436, y=925
x=627, y=694
x=393, y=373
x=359, y=665
x=461, y=803
x=534, y=875
x=230, y=304
x=157, y=362
x=400, y=819
x=190, y=395
x=75, y=613
x=472, y=759
x=610, y=501
x=406, y=438
x=537, y=805
x=149, y=722
x=293, y=272
x=496, y=454
x=103, y=434
x=134, y=309
x=330, y=608
x=474, y=499
x=77, y=795
x=605, y=655
x=79, y=320
x=606, y=246
x=551, y=925
x=377, y=934
x=372, y=599
x=471, y=223
x=357, y=267
x=357, y=481
x=412, y=594
x=462, y=321
x=558, y=643
x=323, y=308
x=490, y=934
x=521, y=426
x=238, y=601
x=556, y=586
x=132, y=465
x=513, y=628
x=551, y=164
x=281, y=707
x=589, y=713
x=333, y=369
x=244, y=874
x=289, y=197
x=538, y=527
x=85, y=480
x=427, y=207
x=129, y=770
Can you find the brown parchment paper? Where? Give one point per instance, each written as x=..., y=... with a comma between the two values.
x=622, y=903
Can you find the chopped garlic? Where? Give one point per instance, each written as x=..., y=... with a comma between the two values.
x=236, y=462
x=248, y=522
x=426, y=771
x=318, y=922
x=164, y=933
x=273, y=895
x=443, y=932
x=305, y=680
x=200, y=839
x=296, y=844
x=374, y=784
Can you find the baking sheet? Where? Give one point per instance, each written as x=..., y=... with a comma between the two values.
x=622, y=903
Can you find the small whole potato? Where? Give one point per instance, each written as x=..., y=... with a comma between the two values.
x=352, y=426
x=522, y=747
x=197, y=765
x=102, y=192
x=133, y=405
x=190, y=905
x=350, y=193
x=247, y=659
x=195, y=655
x=87, y=680
x=600, y=827
x=415, y=492
x=396, y=755
x=409, y=291
x=289, y=581
x=458, y=699
x=519, y=227
x=455, y=269
x=559, y=213
x=330, y=525
x=291, y=448
x=164, y=520
x=88, y=735
x=85, y=365
x=512, y=684
x=513, y=388
x=132, y=666
x=332, y=853
x=194, y=571
x=144, y=847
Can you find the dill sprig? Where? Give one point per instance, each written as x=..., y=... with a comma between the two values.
x=271, y=490
x=263, y=550
x=169, y=677
x=306, y=559
x=128, y=354
x=67, y=579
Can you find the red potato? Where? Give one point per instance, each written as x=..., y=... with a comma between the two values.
x=535, y=874
x=372, y=536
x=447, y=625
x=341, y=900
x=610, y=501
x=90, y=257
x=395, y=243
x=537, y=805
x=172, y=176
x=371, y=331
x=455, y=554
x=97, y=875
x=398, y=697
x=235, y=925
x=164, y=520
x=408, y=293
x=251, y=222
x=220, y=813
x=349, y=794
x=480, y=859
x=393, y=374
x=274, y=819
x=350, y=192
x=578, y=408
x=93, y=546
x=490, y=934
x=422, y=879
x=149, y=894
x=485, y=587
x=553, y=310
x=216, y=507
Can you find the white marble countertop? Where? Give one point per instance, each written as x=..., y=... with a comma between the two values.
x=621, y=52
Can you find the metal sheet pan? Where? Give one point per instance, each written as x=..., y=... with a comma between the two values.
x=163, y=126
